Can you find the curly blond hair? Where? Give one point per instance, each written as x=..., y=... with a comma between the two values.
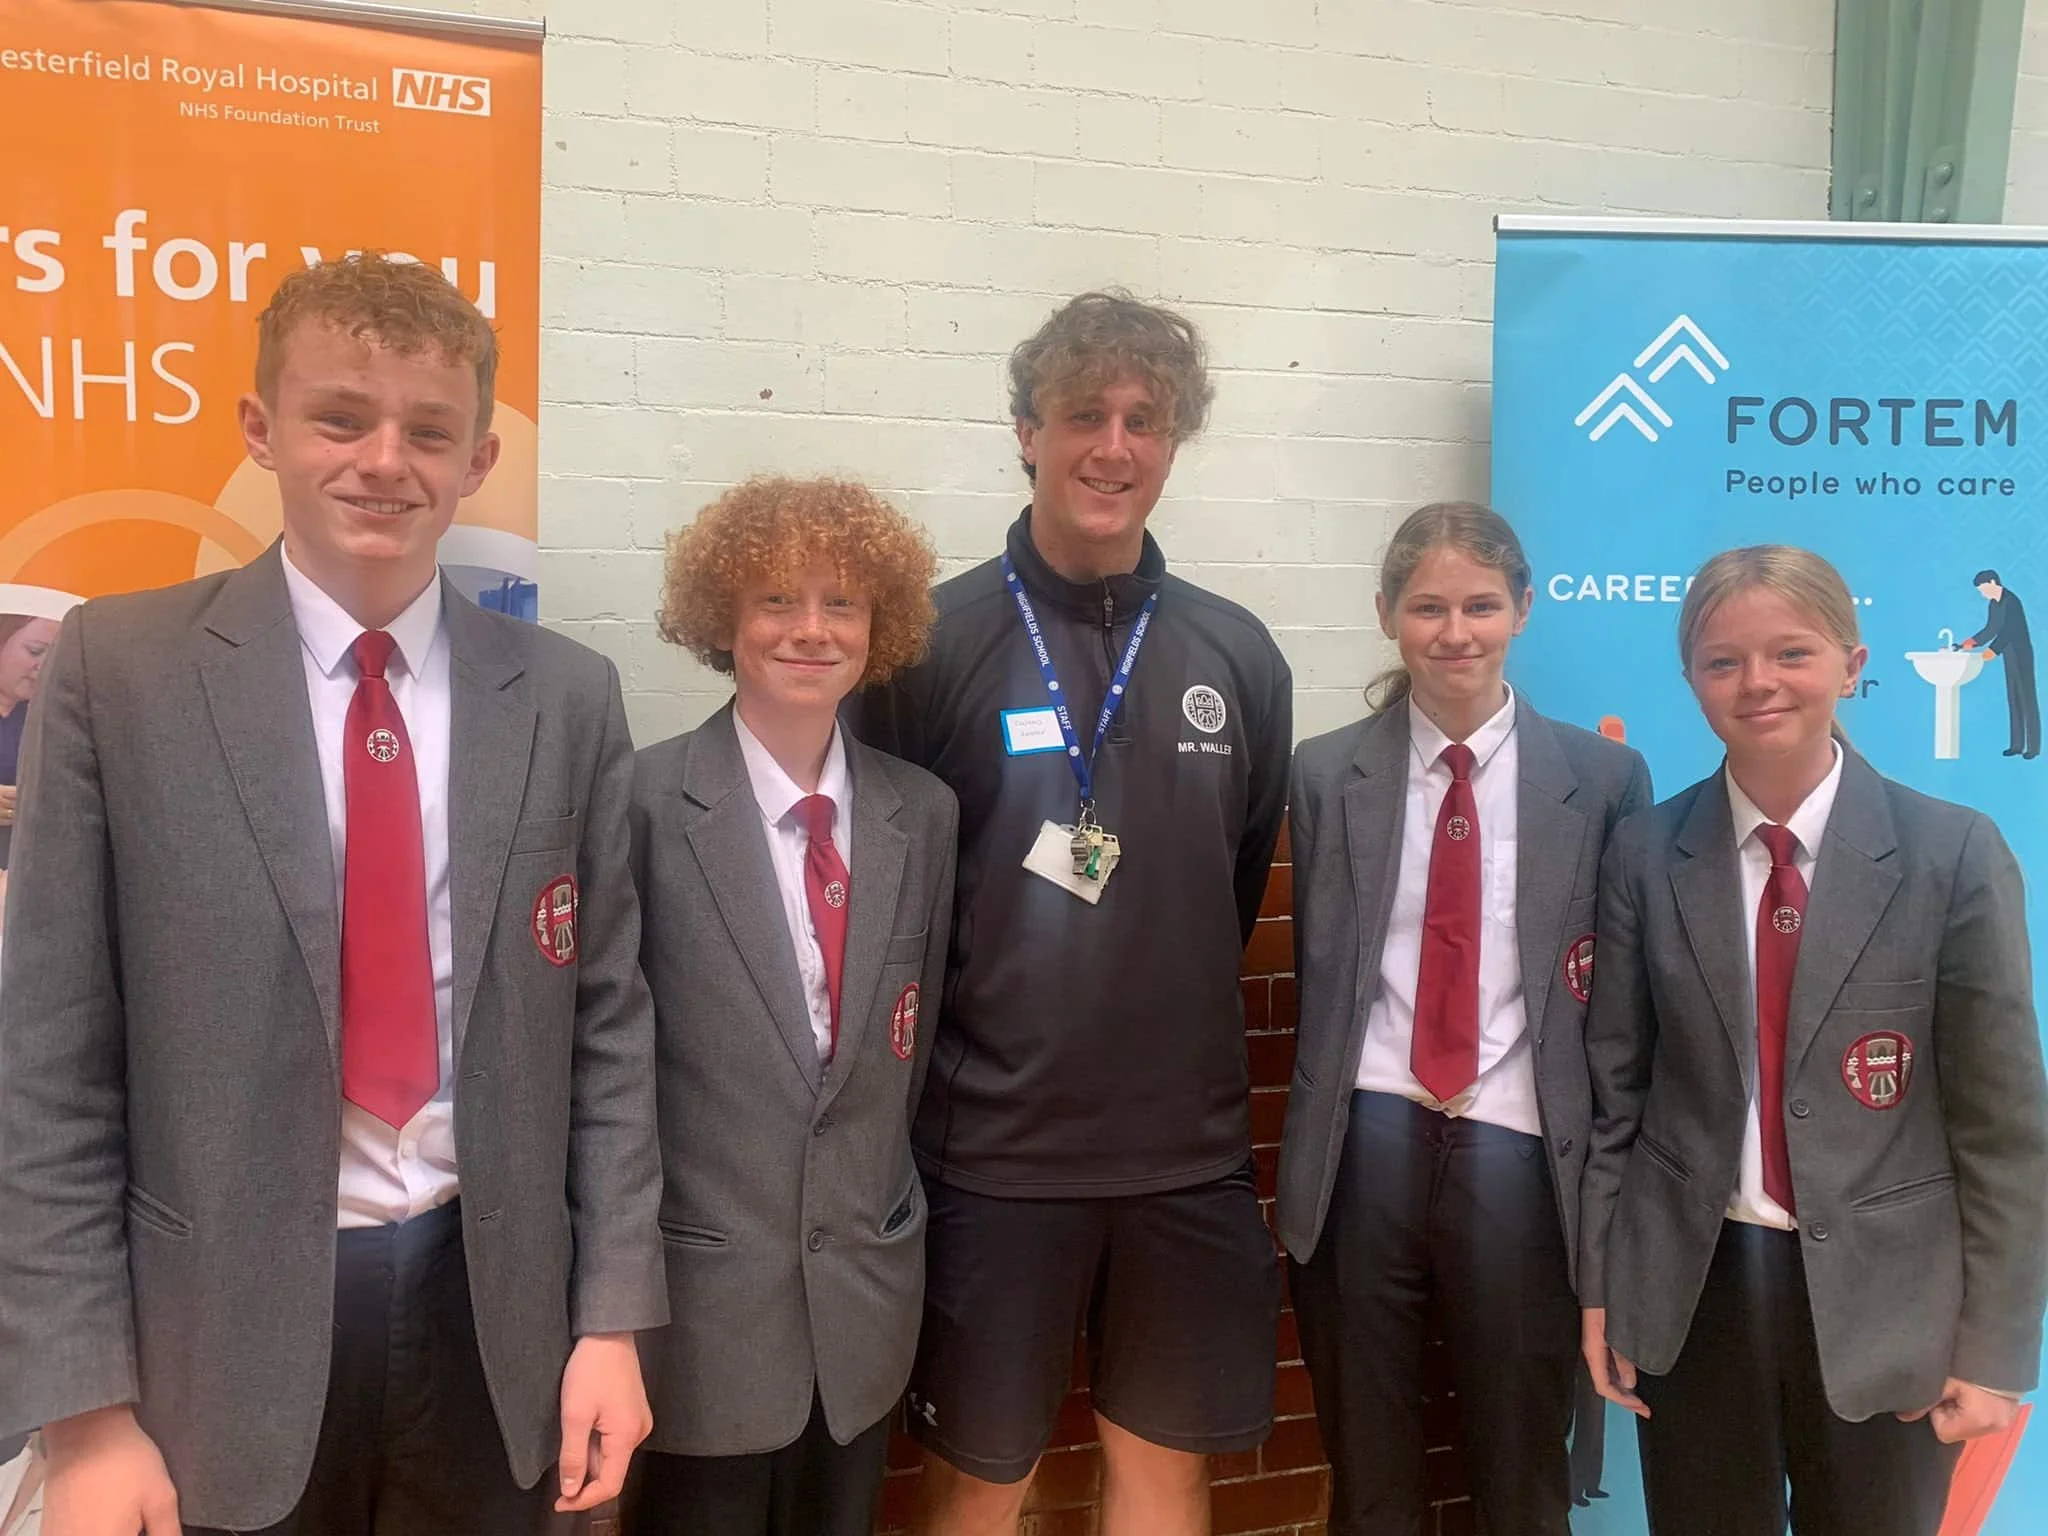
x=1093, y=340
x=770, y=528
x=404, y=305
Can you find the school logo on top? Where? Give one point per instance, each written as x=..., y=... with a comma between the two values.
x=1459, y=828
x=903, y=1024
x=835, y=895
x=1785, y=919
x=1204, y=708
x=554, y=920
x=383, y=745
x=1877, y=1068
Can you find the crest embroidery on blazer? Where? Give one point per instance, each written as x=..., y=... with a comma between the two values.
x=1578, y=967
x=554, y=920
x=1877, y=1067
x=903, y=1024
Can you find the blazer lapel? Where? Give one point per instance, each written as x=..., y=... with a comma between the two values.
x=1708, y=886
x=1374, y=796
x=879, y=851
x=732, y=847
x=490, y=746
x=1548, y=832
x=256, y=693
x=1853, y=884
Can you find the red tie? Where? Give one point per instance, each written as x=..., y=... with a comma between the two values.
x=1779, y=917
x=827, y=888
x=390, y=1058
x=1444, y=1054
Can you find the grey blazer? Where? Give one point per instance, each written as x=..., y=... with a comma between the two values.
x=1923, y=1194
x=170, y=1021
x=791, y=1214
x=1344, y=823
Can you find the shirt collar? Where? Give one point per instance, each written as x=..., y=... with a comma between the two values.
x=1429, y=740
x=1807, y=824
x=327, y=631
x=775, y=791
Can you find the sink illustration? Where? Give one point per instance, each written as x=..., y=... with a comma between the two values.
x=1947, y=671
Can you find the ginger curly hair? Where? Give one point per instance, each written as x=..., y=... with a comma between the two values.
x=404, y=305
x=771, y=527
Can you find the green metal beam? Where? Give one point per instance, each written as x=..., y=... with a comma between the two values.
x=1923, y=109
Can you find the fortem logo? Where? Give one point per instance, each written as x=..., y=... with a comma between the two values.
x=424, y=91
x=1624, y=394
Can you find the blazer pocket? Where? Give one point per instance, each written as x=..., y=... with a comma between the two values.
x=907, y=948
x=1664, y=1160
x=692, y=1237
x=899, y=1218
x=545, y=834
x=152, y=1212
x=1907, y=1193
x=1883, y=996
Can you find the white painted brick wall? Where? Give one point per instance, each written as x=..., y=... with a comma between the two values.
x=803, y=234
x=2026, y=188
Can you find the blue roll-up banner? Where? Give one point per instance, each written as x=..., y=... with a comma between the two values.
x=1878, y=393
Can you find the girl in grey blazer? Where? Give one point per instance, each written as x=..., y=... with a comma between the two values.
x=796, y=893
x=1446, y=850
x=1812, y=1259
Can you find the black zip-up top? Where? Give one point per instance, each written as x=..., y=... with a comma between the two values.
x=1095, y=1051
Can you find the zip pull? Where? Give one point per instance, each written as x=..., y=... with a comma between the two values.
x=1108, y=608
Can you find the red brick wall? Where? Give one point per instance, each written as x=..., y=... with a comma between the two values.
x=1283, y=1488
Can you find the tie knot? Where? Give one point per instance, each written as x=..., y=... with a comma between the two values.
x=816, y=813
x=1781, y=843
x=1459, y=759
x=372, y=651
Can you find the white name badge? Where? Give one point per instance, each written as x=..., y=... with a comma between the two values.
x=1028, y=731
x=1052, y=857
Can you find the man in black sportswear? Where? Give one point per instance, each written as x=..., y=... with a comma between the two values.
x=1084, y=1134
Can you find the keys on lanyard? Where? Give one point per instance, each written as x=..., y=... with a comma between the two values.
x=1095, y=851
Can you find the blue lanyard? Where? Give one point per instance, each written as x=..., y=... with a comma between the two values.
x=1084, y=767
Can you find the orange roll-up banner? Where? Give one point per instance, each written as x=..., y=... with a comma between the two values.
x=162, y=167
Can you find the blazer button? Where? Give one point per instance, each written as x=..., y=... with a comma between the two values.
x=820, y=1128
x=1801, y=1109
x=1818, y=1232
x=1564, y=1148
x=817, y=1241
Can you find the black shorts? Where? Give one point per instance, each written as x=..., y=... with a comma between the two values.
x=1178, y=1295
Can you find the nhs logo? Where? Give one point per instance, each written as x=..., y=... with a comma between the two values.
x=422, y=90
x=1625, y=400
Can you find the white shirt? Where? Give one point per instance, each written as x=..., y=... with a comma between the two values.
x=1505, y=1091
x=788, y=838
x=1749, y=1202
x=391, y=1175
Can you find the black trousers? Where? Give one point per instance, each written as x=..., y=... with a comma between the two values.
x=2022, y=701
x=813, y=1486
x=1743, y=1414
x=1454, y=1222
x=409, y=1444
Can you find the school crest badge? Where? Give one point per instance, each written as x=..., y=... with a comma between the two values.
x=1578, y=967
x=903, y=1024
x=1877, y=1068
x=554, y=920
